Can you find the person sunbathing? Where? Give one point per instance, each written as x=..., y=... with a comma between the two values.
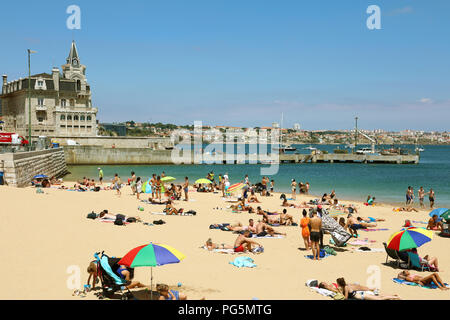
x=353, y=225
x=157, y=201
x=211, y=246
x=287, y=204
x=423, y=281
x=166, y=294
x=263, y=229
x=357, y=291
x=252, y=198
x=243, y=243
x=327, y=286
x=408, y=209
x=111, y=216
x=370, y=219
x=434, y=224
x=430, y=262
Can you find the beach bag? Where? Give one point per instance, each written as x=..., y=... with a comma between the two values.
x=97, y=189
x=131, y=219
x=92, y=215
x=159, y=221
x=118, y=221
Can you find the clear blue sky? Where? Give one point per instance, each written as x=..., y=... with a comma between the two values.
x=242, y=63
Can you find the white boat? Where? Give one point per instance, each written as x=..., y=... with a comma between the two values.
x=364, y=151
x=310, y=148
x=418, y=149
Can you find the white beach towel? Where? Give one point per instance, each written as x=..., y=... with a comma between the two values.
x=371, y=250
x=159, y=213
x=229, y=251
x=323, y=292
x=277, y=236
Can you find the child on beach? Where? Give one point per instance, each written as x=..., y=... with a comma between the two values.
x=138, y=187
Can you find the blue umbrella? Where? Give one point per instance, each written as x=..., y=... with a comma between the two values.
x=40, y=176
x=439, y=212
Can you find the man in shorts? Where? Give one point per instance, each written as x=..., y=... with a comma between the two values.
x=316, y=228
x=243, y=243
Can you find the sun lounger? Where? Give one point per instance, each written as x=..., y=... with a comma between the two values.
x=391, y=254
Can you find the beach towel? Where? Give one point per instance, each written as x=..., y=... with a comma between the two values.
x=337, y=232
x=228, y=251
x=243, y=262
x=159, y=213
x=277, y=236
x=380, y=229
x=322, y=255
x=361, y=242
x=371, y=250
x=409, y=283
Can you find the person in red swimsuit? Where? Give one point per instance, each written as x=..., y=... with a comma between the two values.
x=243, y=243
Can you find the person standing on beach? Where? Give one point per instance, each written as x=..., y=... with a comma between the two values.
x=153, y=185
x=246, y=181
x=431, y=197
x=186, y=188
x=294, y=188
x=408, y=195
x=272, y=184
x=411, y=196
x=133, y=182
x=316, y=228
x=304, y=224
x=307, y=187
x=138, y=187
x=117, y=183
x=100, y=175
x=158, y=187
x=421, y=194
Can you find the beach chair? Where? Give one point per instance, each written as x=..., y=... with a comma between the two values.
x=415, y=262
x=111, y=282
x=392, y=254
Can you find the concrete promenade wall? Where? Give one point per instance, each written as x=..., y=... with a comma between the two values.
x=19, y=168
x=85, y=155
x=119, y=142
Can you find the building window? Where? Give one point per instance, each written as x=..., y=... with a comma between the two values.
x=69, y=117
x=40, y=83
x=63, y=117
x=88, y=118
x=63, y=126
x=63, y=102
x=40, y=119
x=82, y=118
x=75, y=117
x=40, y=101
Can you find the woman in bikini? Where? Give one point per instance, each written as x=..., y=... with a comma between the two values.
x=423, y=281
x=356, y=291
x=158, y=187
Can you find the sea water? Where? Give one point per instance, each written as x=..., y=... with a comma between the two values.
x=386, y=182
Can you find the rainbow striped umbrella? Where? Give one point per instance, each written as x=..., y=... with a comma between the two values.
x=151, y=255
x=409, y=238
x=235, y=187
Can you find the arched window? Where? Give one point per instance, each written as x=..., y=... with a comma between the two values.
x=75, y=117
x=69, y=117
x=82, y=118
x=63, y=117
x=88, y=118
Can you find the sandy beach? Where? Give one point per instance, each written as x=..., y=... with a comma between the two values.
x=45, y=234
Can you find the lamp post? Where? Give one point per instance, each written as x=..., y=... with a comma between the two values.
x=356, y=131
x=29, y=97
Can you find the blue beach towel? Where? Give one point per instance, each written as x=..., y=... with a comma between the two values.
x=243, y=262
x=322, y=254
x=409, y=283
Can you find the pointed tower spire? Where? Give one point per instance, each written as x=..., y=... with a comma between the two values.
x=73, y=58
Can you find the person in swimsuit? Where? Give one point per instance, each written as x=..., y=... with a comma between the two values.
x=330, y=287
x=421, y=194
x=243, y=244
x=211, y=246
x=125, y=274
x=423, y=281
x=263, y=229
x=186, y=188
x=304, y=224
x=431, y=197
x=158, y=187
x=166, y=294
x=133, y=182
x=316, y=226
x=93, y=274
x=356, y=291
x=434, y=224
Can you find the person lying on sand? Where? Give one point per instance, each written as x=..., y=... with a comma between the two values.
x=327, y=286
x=243, y=243
x=288, y=204
x=370, y=219
x=263, y=229
x=423, y=281
x=157, y=201
x=434, y=224
x=241, y=206
x=356, y=291
x=211, y=246
x=408, y=209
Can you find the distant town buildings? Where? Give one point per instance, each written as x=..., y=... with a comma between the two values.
x=296, y=126
x=61, y=104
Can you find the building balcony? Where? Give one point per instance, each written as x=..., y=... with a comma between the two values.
x=80, y=109
x=41, y=108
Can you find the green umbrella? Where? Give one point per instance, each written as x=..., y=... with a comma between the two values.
x=203, y=180
x=168, y=179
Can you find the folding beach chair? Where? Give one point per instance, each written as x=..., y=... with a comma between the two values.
x=415, y=262
x=391, y=253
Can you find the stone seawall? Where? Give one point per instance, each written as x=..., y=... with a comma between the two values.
x=19, y=168
x=94, y=155
x=118, y=142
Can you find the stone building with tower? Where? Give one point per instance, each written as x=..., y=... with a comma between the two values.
x=61, y=102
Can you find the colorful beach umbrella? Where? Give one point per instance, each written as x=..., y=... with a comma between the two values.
x=235, y=187
x=168, y=179
x=203, y=180
x=151, y=255
x=442, y=213
x=409, y=238
x=40, y=176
